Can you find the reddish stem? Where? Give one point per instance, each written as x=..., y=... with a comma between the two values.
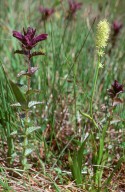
x=29, y=69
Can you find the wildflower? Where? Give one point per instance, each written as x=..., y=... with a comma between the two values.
x=102, y=34
x=28, y=39
x=116, y=89
x=46, y=12
x=116, y=27
x=73, y=7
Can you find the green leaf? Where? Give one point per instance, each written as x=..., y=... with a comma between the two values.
x=33, y=103
x=28, y=151
x=14, y=155
x=76, y=172
x=32, y=129
x=13, y=133
x=122, y=145
x=16, y=105
x=101, y=145
x=80, y=153
x=100, y=169
x=18, y=94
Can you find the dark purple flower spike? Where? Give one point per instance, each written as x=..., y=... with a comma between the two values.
x=28, y=39
x=73, y=7
x=46, y=12
x=113, y=92
x=116, y=89
x=116, y=27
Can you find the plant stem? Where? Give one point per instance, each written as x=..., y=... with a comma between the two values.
x=24, y=158
x=102, y=154
x=25, y=142
x=75, y=97
x=94, y=86
x=29, y=70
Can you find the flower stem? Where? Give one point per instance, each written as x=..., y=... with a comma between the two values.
x=75, y=96
x=94, y=86
x=25, y=142
x=29, y=70
x=24, y=158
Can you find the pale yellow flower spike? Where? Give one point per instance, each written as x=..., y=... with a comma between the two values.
x=102, y=34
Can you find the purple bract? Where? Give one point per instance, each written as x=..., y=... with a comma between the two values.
x=117, y=26
x=115, y=90
x=46, y=12
x=74, y=6
x=28, y=39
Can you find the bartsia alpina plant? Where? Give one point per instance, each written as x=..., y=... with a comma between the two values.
x=73, y=8
x=116, y=89
x=46, y=12
x=29, y=40
x=116, y=27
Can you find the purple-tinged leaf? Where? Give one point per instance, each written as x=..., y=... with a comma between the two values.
x=36, y=53
x=117, y=101
x=28, y=73
x=23, y=52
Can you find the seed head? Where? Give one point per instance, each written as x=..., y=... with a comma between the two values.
x=102, y=34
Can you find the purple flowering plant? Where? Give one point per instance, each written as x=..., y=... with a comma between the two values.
x=116, y=27
x=28, y=40
x=74, y=6
x=114, y=91
x=46, y=12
